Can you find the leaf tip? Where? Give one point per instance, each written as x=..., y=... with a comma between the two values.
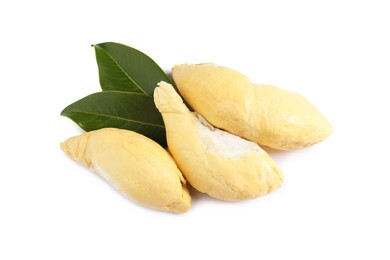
x=63, y=112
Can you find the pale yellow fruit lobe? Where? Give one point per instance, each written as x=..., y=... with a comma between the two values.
x=263, y=114
x=135, y=165
x=214, y=161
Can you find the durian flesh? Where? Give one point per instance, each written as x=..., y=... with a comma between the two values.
x=263, y=114
x=135, y=165
x=214, y=161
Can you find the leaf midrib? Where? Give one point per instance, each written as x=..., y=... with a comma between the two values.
x=124, y=72
x=119, y=118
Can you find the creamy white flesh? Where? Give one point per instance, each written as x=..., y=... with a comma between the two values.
x=222, y=142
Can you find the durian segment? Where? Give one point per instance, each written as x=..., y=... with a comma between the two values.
x=263, y=114
x=214, y=161
x=135, y=165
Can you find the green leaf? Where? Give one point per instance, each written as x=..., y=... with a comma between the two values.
x=126, y=69
x=118, y=109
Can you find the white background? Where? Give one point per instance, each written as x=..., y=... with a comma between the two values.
x=335, y=200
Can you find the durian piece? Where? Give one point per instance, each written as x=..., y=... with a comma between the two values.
x=213, y=161
x=263, y=114
x=135, y=165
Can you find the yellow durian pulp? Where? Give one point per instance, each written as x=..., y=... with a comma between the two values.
x=135, y=165
x=260, y=113
x=214, y=161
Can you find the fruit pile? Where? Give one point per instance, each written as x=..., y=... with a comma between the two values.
x=215, y=145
